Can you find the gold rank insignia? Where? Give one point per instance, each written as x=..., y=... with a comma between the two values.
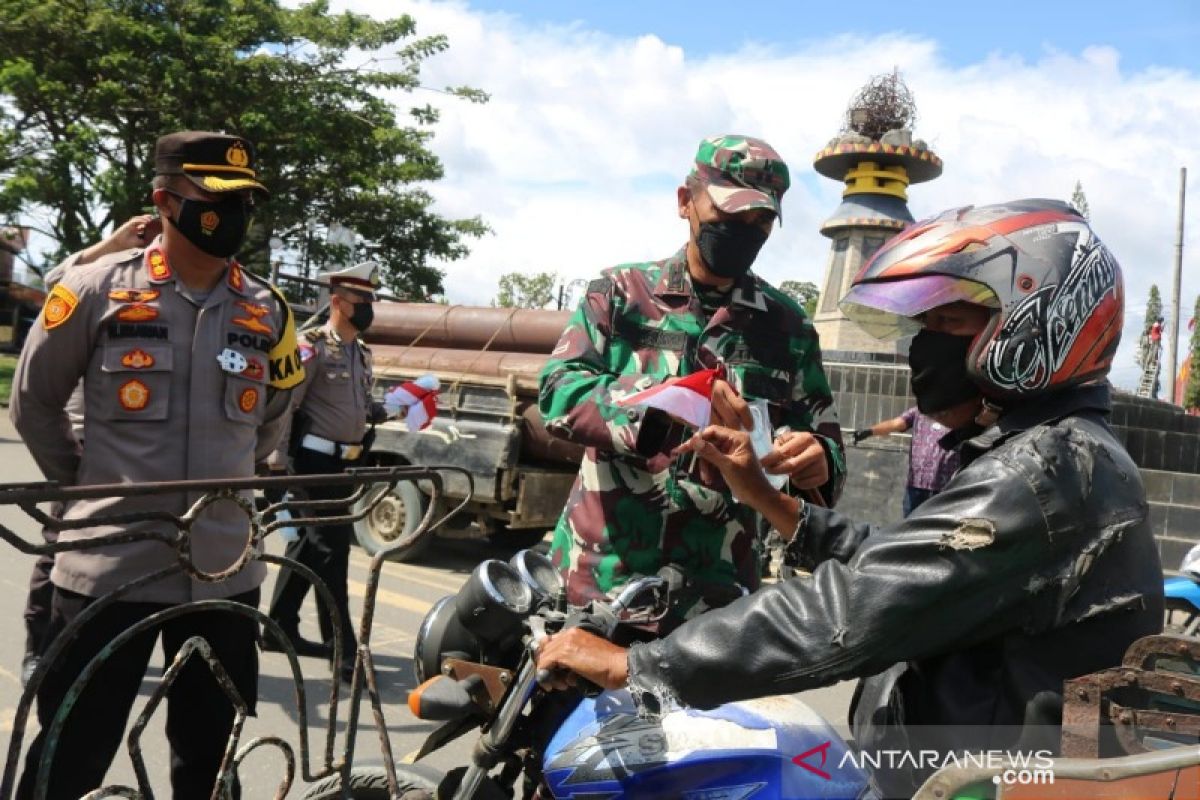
x=133, y=395
x=209, y=221
x=236, y=281
x=60, y=305
x=137, y=312
x=133, y=295
x=248, y=400
x=137, y=359
x=157, y=265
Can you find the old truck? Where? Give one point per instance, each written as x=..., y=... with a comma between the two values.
x=487, y=361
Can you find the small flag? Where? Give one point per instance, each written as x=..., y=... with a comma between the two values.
x=688, y=399
x=417, y=399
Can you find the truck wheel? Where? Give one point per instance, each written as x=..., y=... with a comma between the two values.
x=394, y=518
x=370, y=783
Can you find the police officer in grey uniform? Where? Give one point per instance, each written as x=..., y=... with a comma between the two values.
x=332, y=411
x=187, y=363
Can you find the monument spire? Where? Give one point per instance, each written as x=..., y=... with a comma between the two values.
x=877, y=158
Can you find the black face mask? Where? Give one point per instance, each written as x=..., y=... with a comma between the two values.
x=363, y=316
x=216, y=228
x=939, y=371
x=729, y=248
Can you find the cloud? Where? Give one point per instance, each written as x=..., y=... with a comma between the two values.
x=574, y=161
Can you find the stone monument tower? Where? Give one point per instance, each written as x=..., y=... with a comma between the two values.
x=877, y=158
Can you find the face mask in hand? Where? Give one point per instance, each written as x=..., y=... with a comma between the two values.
x=217, y=228
x=729, y=248
x=939, y=371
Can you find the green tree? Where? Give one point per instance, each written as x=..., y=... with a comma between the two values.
x=518, y=290
x=1191, y=392
x=86, y=86
x=1079, y=201
x=803, y=292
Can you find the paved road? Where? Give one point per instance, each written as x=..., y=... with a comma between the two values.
x=407, y=592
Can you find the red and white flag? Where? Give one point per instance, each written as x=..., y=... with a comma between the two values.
x=688, y=398
x=418, y=400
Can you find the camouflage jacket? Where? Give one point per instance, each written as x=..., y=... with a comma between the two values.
x=634, y=507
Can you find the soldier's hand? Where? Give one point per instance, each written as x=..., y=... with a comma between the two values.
x=576, y=652
x=729, y=409
x=801, y=456
x=732, y=454
x=136, y=231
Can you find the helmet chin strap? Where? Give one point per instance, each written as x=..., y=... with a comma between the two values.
x=989, y=414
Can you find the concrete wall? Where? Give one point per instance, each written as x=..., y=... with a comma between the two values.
x=1163, y=441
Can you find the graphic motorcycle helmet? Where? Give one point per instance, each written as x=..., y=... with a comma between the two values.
x=1057, y=290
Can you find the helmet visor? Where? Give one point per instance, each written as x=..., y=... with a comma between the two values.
x=890, y=309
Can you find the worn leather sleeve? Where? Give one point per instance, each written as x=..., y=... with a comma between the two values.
x=959, y=570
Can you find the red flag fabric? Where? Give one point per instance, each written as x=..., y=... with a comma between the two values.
x=688, y=398
x=418, y=399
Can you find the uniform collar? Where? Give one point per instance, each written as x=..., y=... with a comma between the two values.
x=158, y=269
x=676, y=281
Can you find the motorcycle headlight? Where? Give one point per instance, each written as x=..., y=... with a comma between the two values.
x=493, y=601
x=441, y=635
x=537, y=572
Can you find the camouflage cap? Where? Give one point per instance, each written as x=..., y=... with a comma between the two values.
x=741, y=173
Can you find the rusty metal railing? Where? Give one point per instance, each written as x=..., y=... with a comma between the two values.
x=372, y=483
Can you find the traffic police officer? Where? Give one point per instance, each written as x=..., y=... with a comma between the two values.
x=187, y=362
x=332, y=410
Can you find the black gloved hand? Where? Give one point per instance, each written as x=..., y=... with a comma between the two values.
x=862, y=433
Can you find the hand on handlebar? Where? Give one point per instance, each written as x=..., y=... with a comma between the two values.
x=576, y=652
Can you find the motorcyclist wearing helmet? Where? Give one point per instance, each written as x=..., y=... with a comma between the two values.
x=1035, y=564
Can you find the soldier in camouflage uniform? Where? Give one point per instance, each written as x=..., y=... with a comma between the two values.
x=636, y=507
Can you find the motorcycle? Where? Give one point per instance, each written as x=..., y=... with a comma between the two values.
x=474, y=659
x=1181, y=596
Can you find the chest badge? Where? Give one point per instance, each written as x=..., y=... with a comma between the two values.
x=133, y=295
x=248, y=400
x=252, y=324
x=232, y=361
x=133, y=395
x=137, y=312
x=255, y=369
x=255, y=310
x=137, y=359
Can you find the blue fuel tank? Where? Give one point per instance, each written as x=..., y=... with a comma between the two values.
x=772, y=747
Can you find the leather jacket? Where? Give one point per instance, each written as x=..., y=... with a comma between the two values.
x=1035, y=564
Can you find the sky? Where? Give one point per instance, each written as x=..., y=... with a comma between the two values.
x=597, y=107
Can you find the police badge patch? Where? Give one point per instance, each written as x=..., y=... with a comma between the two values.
x=232, y=361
